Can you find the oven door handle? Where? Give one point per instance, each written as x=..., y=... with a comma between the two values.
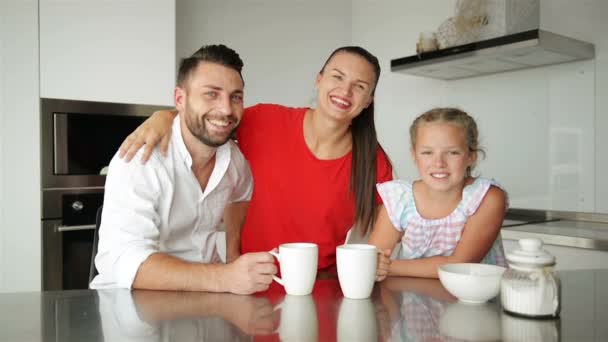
x=75, y=228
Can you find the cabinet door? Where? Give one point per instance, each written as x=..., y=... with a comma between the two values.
x=112, y=51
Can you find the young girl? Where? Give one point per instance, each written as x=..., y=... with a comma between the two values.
x=447, y=216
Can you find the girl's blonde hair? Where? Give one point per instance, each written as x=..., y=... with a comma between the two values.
x=453, y=116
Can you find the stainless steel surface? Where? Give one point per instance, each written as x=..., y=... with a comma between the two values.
x=64, y=260
x=77, y=206
x=60, y=142
x=53, y=230
x=578, y=216
x=560, y=228
x=52, y=255
x=75, y=228
x=76, y=137
x=558, y=240
x=543, y=48
x=400, y=309
x=52, y=199
x=48, y=149
x=548, y=215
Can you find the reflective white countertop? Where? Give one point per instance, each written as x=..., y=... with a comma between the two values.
x=401, y=309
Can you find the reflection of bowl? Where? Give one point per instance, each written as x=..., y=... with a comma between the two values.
x=471, y=283
x=471, y=322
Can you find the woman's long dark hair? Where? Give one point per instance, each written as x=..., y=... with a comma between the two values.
x=363, y=174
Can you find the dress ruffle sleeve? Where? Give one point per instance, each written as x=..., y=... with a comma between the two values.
x=474, y=193
x=397, y=198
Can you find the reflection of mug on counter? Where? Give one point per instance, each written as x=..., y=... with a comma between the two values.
x=357, y=320
x=298, y=319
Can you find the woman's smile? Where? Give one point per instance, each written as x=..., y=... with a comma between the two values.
x=340, y=102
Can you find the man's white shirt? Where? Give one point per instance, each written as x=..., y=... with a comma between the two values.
x=160, y=207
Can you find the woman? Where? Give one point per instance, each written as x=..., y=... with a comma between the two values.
x=311, y=166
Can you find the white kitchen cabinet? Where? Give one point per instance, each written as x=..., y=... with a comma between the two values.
x=570, y=258
x=19, y=147
x=117, y=51
x=111, y=51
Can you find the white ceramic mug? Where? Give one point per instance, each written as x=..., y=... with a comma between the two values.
x=357, y=320
x=357, y=269
x=298, y=319
x=298, y=263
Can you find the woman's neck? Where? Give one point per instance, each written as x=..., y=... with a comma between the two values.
x=326, y=138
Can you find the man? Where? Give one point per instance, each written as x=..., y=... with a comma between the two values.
x=159, y=222
x=151, y=316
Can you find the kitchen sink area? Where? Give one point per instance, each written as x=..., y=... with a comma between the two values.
x=567, y=229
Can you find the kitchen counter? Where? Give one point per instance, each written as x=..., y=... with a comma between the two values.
x=559, y=232
x=400, y=309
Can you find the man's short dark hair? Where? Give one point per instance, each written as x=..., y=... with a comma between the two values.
x=219, y=54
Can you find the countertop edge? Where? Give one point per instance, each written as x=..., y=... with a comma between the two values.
x=558, y=240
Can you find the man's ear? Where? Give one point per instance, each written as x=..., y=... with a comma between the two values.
x=179, y=98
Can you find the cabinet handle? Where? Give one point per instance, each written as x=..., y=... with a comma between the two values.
x=75, y=228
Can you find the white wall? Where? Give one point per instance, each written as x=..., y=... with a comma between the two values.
x=282, y=43
x=537, y=125
x=2, y=87
x=19, y=147
x=112, y=51
x=541, y=127
x=391, y=31
x=106, y=51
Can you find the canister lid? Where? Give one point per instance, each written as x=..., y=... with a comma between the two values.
x=531, y=253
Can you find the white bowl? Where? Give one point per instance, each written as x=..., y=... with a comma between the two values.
x=471, y=283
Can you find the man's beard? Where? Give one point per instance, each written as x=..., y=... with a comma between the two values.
x=197, y=126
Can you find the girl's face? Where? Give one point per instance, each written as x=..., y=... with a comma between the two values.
x=442, y=156
x=345, y=86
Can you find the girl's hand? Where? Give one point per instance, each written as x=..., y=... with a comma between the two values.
x=156, y=129
x=385, y=237
x=384, y=262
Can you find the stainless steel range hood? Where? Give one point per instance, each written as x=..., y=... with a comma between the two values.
x=522, y=50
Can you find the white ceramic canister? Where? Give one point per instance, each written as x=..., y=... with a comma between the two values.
x=530, y=287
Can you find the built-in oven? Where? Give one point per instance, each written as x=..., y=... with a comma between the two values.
x=78, y=140
x=67, y=237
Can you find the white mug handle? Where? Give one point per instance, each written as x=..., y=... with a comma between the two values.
x=277, y=279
